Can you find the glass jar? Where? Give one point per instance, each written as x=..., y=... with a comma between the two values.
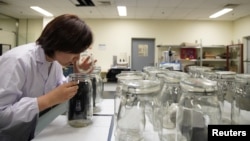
x=241, y=102
x=80, y=107
x=169, y=99
x=225, y=80
x=211, y=75
x=135, y=113
x=198, y=107
x=97, y=85
x=122, y=77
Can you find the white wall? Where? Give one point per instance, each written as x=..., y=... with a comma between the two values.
x=29, y=30
x=117, y=35
x=112, y=37
x=241, y=29
x=8, y=32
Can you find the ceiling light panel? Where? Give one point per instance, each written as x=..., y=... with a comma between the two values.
x=42, y=11
x=122, y=10
x=220, y=13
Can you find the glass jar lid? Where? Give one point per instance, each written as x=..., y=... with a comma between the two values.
x=141, y=86
x=178, y=75
x=167, y=79
x=225, y=74
x=242, y=78
x=130, y=75
x=199, y=85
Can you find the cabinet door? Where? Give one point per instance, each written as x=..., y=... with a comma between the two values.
x=235, y=58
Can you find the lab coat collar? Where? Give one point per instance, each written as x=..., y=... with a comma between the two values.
x=43, y=64
x=40, y=55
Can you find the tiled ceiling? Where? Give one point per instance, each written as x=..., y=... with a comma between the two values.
x=137, y=9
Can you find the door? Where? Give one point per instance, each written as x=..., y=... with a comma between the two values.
x=143, y=53
x=235, y=59
x=246, y=59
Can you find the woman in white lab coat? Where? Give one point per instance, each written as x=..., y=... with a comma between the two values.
x=32, y=79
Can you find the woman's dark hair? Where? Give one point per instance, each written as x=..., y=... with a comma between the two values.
x=66, y=33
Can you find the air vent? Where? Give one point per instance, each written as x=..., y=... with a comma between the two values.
x=102, y=3
x=3, y=3
x=231, y=5
x=83, y=2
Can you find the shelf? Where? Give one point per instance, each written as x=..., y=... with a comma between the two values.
x=191, y=60
x=214, y=46
x=215, y=60
x=174, y=46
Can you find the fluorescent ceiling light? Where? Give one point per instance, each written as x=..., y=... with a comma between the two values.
x=42, y=11
x=122, y=10
x=221, y=12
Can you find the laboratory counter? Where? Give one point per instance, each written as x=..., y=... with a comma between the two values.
x=101, y=128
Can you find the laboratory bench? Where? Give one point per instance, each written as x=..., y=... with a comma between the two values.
x=55, y=126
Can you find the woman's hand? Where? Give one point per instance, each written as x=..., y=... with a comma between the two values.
x=87, y=65
x=58, y=95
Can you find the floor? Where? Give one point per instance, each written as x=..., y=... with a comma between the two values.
x=110, y=86
x=109, y=90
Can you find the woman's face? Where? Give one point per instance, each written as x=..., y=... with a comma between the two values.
x=65, y=59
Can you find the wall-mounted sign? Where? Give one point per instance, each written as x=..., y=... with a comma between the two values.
x=142, y=50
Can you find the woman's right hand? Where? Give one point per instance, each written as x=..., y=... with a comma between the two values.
x=58, y=95
x=86, y=65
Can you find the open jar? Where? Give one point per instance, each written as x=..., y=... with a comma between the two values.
x=80, y=107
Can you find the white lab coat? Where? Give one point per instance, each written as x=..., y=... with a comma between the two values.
x=24, y=77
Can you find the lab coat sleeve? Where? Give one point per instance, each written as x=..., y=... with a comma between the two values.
x=15, y=109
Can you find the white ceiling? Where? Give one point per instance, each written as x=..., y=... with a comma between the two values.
x=136, y=9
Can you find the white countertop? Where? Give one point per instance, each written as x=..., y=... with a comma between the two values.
x=60, y=130
x=99, y=130
x=106, y=106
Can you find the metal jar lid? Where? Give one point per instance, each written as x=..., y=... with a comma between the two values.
x=79, y=76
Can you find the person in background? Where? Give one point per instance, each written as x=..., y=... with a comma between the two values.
x=32, y=78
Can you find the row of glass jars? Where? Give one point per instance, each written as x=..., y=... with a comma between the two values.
x=171, y=104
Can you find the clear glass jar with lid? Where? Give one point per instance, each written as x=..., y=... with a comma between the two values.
x=225, y=81
x=169, y=99
x=241, y=102
x=97, y=85
x=80, y=107
x=135, y=110
x=198, y=107
x=121, y=78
